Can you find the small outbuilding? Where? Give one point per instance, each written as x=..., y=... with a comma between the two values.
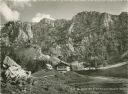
x=62, y=67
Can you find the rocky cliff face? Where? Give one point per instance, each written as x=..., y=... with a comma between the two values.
x=16, y=33
x=100, y=32
x=86, y=35
x=92, y=38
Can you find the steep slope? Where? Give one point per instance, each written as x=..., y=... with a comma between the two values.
x=52, y=36
x=86, y=35
x=89, y=37
x=14, y=35
x=17, y=43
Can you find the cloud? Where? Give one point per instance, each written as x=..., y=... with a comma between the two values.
x=8, y=8
x=40, y=16
x=21, y=3
x=125, y=8
x=8, y=13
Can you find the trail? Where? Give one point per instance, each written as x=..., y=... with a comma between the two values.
x=108, y=79
x=114, y=66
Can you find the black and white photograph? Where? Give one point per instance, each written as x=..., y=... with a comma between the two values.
x=64, y=46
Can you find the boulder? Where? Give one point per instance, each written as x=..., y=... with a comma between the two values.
x=14, y=72
x=8, y=62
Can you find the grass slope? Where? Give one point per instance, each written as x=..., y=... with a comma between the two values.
x=53, y=82
x=121, y=72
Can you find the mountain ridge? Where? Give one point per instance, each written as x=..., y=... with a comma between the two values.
x=86, y=35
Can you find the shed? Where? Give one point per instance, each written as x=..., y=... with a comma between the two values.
x=63, y=67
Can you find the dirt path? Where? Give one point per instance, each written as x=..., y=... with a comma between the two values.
x=115, y=65
x=108, y=79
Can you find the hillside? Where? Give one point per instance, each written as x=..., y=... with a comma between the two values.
x=119, y=72
x=86, y=35
x=52, y=82
x=95, y=38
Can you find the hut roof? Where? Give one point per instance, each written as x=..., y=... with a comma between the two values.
x=64, y=63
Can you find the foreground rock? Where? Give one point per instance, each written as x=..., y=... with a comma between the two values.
x=8, y=62
x=14, y=74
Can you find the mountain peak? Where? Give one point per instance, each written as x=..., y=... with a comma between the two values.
x=124, y=13
x=39, y=16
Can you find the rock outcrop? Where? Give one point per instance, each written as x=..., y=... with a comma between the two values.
x=16, y=33
x=13, y=72
x=86, y=35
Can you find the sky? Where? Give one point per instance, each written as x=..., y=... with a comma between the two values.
x=34, y=11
